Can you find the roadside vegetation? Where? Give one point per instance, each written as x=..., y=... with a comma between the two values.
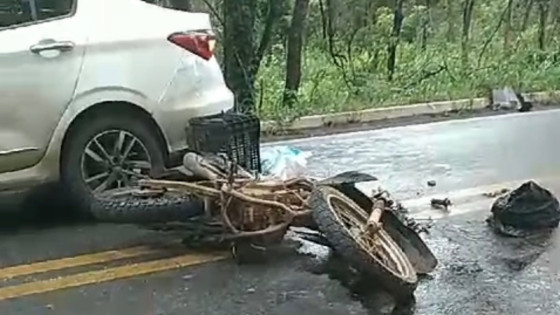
x=288, y=58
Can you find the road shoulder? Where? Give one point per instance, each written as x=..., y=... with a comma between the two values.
x=298, y=133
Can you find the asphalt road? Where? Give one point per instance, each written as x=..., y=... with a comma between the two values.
x=479, y=272
x=457, y=154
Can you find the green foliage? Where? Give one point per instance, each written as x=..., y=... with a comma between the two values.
x=352, y=73
x=435, y=73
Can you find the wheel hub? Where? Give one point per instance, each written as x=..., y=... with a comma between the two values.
x=114, y=159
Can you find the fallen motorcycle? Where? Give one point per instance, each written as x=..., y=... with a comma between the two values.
x=251, y=213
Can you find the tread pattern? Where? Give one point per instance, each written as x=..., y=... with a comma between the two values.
x=146, y=210
x=350, y=250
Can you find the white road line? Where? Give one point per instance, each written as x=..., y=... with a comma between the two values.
x=471, y=199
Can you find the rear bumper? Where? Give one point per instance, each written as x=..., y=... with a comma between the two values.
x=174, y=115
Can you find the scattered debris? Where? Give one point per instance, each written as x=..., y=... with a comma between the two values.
x=527, y=210
x=526, y=106
x=284, y=162
x=402, y=212
x=466, y=268
x=508, y=99
x=419, y=226
x=496, y=193
x=505, y=99
x=399, y=208
x=432, y=183
x=442, y=204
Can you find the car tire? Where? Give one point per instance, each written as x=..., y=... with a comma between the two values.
x=72, y=176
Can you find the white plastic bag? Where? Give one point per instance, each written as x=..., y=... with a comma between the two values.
x=284, y=162
x=505, y=99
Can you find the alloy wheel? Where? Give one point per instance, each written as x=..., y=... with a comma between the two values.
x=114, y=159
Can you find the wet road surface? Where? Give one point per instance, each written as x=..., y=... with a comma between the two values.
x=479, y=272
x=457, y=154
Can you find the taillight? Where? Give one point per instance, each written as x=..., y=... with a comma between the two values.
x=199, y=43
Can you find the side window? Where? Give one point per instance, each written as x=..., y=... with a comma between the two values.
x=14, y=12
x=48, y=9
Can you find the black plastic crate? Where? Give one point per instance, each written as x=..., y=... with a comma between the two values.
x=233, y=134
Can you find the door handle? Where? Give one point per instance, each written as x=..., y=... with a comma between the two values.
x=50, y=44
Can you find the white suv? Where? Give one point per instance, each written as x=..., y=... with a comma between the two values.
x=99, y=92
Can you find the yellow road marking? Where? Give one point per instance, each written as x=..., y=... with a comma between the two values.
x=77, y=261
x=106, y=275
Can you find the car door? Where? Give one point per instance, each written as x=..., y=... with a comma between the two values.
x=41, y=53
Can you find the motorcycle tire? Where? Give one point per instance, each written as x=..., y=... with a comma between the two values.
x=386, y=263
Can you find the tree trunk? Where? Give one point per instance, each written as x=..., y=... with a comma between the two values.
x=450, y=21
x=427, y=24
x=272, y=17
x=468, y=8
x=295, y=45
x=544, y=5
x=184, y=5
x=527, y=15
x=555, y=13
x=330, y=25
x=239, y=50
x=507, y=32
x=398, y=18
x=555, y=16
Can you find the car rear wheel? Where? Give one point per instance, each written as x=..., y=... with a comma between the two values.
x=111, y=152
